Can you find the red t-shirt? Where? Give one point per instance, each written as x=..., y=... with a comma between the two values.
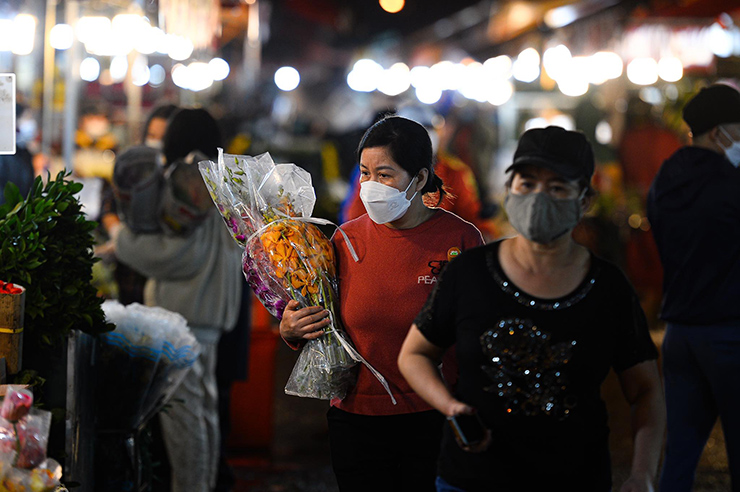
x=380, y=296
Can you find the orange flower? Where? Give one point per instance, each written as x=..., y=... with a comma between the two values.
x=301, y=250
x=300, y=279
x=270, y=236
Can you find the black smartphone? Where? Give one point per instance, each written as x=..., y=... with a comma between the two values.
x=468, y=429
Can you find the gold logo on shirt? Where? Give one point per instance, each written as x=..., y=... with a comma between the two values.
x=452, y=253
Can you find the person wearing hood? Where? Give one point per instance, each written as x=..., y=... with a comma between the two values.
x=694, y=212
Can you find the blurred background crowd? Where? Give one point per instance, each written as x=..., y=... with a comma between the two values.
x=303, y=79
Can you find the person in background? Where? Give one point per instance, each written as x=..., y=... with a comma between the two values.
x=94, y=131
x=537, y=322
x=130, y=283
x=402, y=245
x=156, y=125
x=694, y=210
x=461, y=190
x=644, y=145
x=187, y=133
x=96, y=147
x=196, y=273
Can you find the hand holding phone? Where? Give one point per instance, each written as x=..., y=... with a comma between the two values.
x=470, y=432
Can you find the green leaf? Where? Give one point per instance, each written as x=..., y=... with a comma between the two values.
x=70, y=290
x=11, y=193
x=15, y=209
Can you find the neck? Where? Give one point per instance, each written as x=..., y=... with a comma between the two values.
x=536, y=257
x=705, y=141
x=418, y=213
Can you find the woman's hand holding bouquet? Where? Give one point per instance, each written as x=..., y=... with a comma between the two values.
x=303, y=324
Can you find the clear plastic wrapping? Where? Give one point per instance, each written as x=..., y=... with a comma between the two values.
x=267, y=208
x=24, y=434
x=139, y=364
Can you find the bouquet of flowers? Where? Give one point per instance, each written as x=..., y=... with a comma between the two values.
x=267, y=207
x=24, y=433
x=139, y=364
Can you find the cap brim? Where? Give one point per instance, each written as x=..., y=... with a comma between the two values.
x=562, y=169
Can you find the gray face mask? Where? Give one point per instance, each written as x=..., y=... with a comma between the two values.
x=541, y=218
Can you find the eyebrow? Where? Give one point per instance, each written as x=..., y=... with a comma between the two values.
x=380, y=168
x=527, y=175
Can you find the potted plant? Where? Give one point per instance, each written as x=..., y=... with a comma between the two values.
x=46, y=247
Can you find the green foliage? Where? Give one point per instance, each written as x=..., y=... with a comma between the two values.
x=46, y=246
x=30, y=377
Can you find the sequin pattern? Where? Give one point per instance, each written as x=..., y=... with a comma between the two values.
x=526, y=369
x=529, y=301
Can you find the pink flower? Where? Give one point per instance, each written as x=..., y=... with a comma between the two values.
x=16, y=404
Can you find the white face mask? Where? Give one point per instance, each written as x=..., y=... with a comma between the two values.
x=384, y=203
x=153, y=143
x=97, y=127
x=733, y=151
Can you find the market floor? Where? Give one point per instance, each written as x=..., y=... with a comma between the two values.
x=298, y=460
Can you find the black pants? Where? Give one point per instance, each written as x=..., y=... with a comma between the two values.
x=388, y=453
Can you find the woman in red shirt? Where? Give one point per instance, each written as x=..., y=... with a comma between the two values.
x=402, y=247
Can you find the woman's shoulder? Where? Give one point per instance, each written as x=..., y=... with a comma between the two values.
x=451, y=218
x=482, y=257
x=357, y=227
x=609, y=272
x=453, y=222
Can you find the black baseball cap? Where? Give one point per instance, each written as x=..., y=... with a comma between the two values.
x=566, y=152
x=712, y=106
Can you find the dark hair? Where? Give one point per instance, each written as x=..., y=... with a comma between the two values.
x=95, y=108
x=189, y=130
x=409, y=145
x=164, y=111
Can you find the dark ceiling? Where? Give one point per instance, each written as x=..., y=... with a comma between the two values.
x=314, y=30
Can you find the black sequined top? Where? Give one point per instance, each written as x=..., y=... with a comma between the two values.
x=533, y=368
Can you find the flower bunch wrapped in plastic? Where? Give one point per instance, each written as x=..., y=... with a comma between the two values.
x=139, y=364
x=24, y=433
x=43, y=478
x=267, y=207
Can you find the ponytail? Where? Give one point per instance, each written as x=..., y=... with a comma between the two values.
x=435, y=185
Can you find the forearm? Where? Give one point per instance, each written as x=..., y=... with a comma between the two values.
x=648, y=427
x=423, y=376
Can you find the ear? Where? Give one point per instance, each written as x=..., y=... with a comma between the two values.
x=714, y=139
x=423, y=178
x=720, y=137
x=586, y=203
